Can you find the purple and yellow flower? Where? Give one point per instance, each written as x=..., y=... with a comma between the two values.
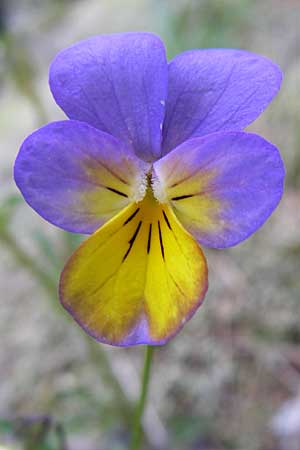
x=152, y=163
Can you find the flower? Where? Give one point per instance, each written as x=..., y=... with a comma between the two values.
x=152, y=162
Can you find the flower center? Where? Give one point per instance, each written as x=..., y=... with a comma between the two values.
x=148, y=187
x=150, y=205
x=157, y=188
x=151, y=217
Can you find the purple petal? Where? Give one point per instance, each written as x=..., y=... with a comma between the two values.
x=223, y=186
x=76, y=176
x=117, y=83
x=216, y=90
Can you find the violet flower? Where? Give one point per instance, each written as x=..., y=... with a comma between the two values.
x=153, y=163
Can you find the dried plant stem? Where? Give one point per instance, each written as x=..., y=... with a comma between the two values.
x=27, y=262
x=137, y=425
x=99, y=357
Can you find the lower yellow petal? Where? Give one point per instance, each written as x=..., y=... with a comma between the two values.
x=136, y=280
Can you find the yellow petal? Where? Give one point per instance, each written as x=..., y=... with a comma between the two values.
x=137, y=279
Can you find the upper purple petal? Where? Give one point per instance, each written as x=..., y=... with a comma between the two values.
x=117, y=83
x=216, y=90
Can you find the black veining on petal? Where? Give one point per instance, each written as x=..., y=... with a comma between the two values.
x=182, y=197
x=161, y=241
x=116, y=191
x=132, y=216
x=131, y=241
x=149, y=238
x=167, y=220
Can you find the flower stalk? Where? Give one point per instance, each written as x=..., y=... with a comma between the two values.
x=137, y=428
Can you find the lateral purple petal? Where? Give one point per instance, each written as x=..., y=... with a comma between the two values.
x=76, y=176
x=216, y=90
x=117, y=83
x=223, y=186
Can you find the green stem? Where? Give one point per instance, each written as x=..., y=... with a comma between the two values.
x=137, y=428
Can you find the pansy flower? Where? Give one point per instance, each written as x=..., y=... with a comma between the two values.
x=153, y=164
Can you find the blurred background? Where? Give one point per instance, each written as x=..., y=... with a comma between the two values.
x=231, y=378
